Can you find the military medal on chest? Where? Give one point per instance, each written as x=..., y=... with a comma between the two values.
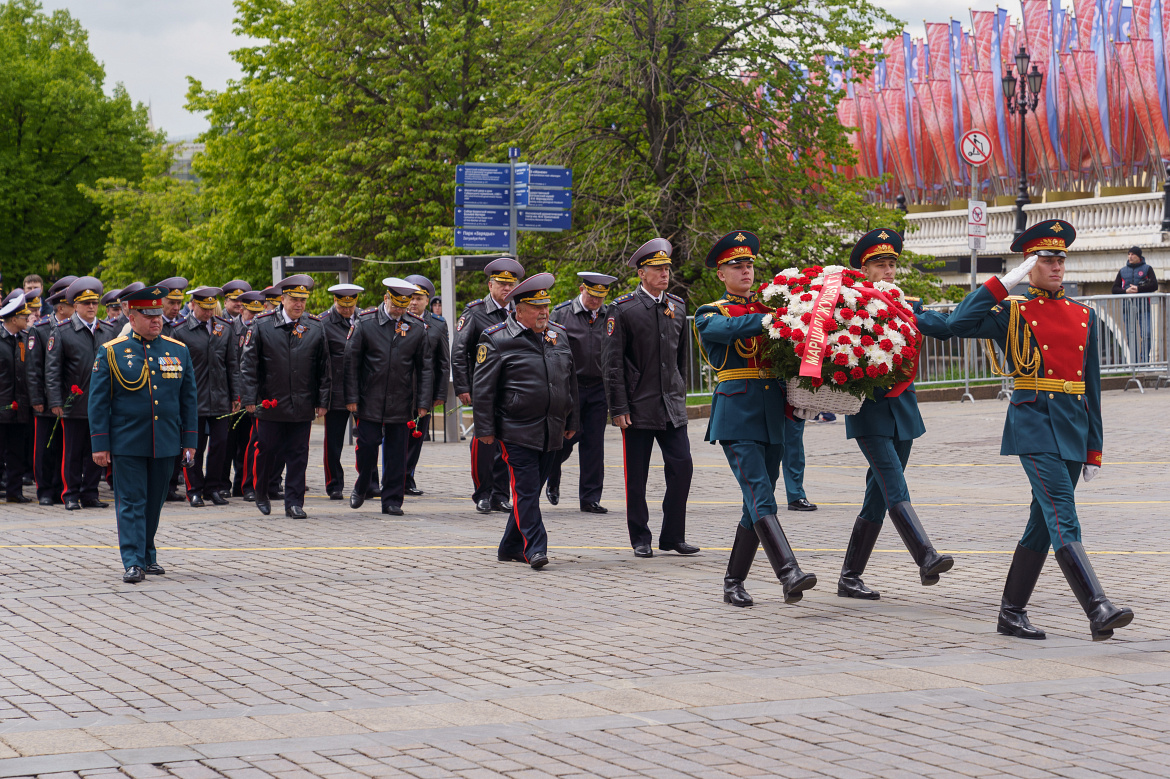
x=402, y=328
x=299, y=330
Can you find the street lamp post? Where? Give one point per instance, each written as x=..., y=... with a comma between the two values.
x=1023, y=95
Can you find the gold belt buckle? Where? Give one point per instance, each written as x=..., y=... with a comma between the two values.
x=1068, y=387
x=763, y=373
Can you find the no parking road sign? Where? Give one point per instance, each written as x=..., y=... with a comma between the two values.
x=976, y=225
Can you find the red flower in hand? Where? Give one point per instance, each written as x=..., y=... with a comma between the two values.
x=417, y=434
x=75, y=390
x=410, y=425
x=840, y=378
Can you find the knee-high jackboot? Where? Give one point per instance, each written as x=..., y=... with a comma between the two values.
x=930, y=563
x=861, y=543
x=1103, y=616
x=782, y=558
x=1021, y=580
x=743, y=553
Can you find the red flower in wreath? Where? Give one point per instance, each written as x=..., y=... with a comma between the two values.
x=880, y=330
x=855, y=330
x=886, y=344
x=843, y=339
x=883, y=369
x=866, y=340
x=799, y=349
x=840, y=377
x=871, y=371
x=857, y=372
x=782, y=310
x=858, y=351
x=841, y=359
x=806, y=317
x=806, y=297
x=897, y=359
x=847, y=314
x=908, y=352
x=816, y=381
x=862, y=314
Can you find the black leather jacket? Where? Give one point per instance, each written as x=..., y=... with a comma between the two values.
x=587, y=338
x=215, y=360
x=337, y=331
x=287, y=363
x=440, y=356
x=69, y=356
x=525, y=389
x=38, y=338
x=387, y=366
x=13, y=376
x=477, y=317
x=645, y=360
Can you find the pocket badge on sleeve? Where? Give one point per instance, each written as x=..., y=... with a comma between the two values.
x=481, y=353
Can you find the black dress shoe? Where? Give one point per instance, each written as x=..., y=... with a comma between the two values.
x=295, y=512
x=277, y=495
x=217, y=498
x=392, y=510
x=413, y=491
x=643, y=550
x=501, y=505
x=73, y=505
x=554, y=495
x=356, y=500
x=94, y=503
x=154, y=569
x=19, y=499
x=484, y=506
x=538, y=561
x=264, y=506
x=27, y=481
x=801, y=504
x=173, y=497
x=682, y=547
x=133, y=575
x=375, y=492
x=226, y=494
x=249, y=495
x=594, y=508
x=335, y=495
x=195, y=501
x=45, y=501
x=510, y=558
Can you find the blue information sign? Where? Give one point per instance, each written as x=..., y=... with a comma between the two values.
x=481, y=217
x=483, y=175
x=544, y=176
x=529, y=219
x=526, y=197
x=475, y=238
x=482, y=196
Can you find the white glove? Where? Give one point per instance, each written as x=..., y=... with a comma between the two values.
x=1089, y=472
x=805, y=413
x=1016, y=275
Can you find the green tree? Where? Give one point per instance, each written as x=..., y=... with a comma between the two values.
x=58, y=130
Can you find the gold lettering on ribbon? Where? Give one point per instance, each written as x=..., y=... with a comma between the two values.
x=822, y=313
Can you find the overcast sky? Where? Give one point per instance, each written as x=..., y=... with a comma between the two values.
x=151, y=46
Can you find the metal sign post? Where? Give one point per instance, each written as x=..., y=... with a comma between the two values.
x=975, y=148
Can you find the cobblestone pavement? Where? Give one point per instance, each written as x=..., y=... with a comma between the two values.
x=352, y=644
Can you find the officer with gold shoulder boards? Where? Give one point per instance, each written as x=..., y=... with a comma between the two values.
x=747, y=416
x=235, y=310
x=142, y=410
x=583, y=318
x=14, y=408
x=173, y=303
x=339, y=322
x=113, y=309
x=252, y=303
x=47, y=449
x=1053, y=422
x=271, y=298
x=441, y=365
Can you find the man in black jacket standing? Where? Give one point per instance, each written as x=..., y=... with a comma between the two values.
x=69, y=356
x=237, y=440
x=214, y=360
x=645, y=361
x=1134, y=279
x=339, y=321
x=525, y=398
x=387, y=366
x=47, y=450
x=14, y=410
x=286, y=384
x=440, y=360
x=488, y=471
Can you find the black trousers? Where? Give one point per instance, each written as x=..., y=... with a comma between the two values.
x=239, y=432
x=79, y=473
x=414, y=449
x=250, y=459
x=47, y=459
x=335, y=421
x=489, y=473
x=212, y=439
x=277, y=442
x=13, y=438
x=524, y=535
x=392, y=437
x=591, y=436
x=676, y=457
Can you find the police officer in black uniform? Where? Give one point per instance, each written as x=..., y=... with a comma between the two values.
x=172, y=304
x=121, y=322
x=232, y=307
x=286, y=384
x=488, y=471
x=525, y=398
x=242, y=485
x=272, y=298
x=440, y=360
x=645, y=360
x=47, y=450
x=215, y=363
x=14, y=408
x=69, y=356
x=388, y=371
x=237, y=440
x=338, y=322
x=113, y=309
x=583, y=318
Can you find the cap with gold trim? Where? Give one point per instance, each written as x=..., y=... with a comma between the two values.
x=57, y=297
x=533, y=290
x=253, y=300
x=596, y=284
x=882, y=242
x=423, y=282
x=205, y=297
x=732, y=249
x=129, y=289
x=174, y=286
x=296, y=286
x=32, y=299
x=61, y=284
x=234, y=288
x=147, y=300
x=271, y=294
x=656, y=251
x=111, y=297
x=1047, y=238
x=86, y=289
x=399, y=290
x=504, y=269
x=346, y=294
x=14, y=304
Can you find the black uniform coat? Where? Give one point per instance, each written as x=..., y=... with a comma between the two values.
x=388, y=365
x=288, y=363
x=587, y=338
x=35, y=364
x=440, y=356
x=215, y=360
x=13, y=376
x=69, y=355
x=525, y=390
x=645, y=360
x=477, y=317
x=337, y=331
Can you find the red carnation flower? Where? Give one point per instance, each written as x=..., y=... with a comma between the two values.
x=857, y=372
x=785, y=331
x=883, y=369
x=417, y=434
x=843, y=339
x=817, y=287
x=75, y=390
x=897, y=359
x=780, y=279
x=866, y=340
x=847, y=281
x=815, y=270
x=14, y=405
x=855, y=329
x=867, y=284
x=274, y=402
x=878, y=329
x=806, y=317
x=886, y=344
x=831, y=326
x=871, y=371
x=841, y=358
x=847, y=313
x=862, y=314
x=796, y=288
x=840, y=378
x=806, y=297
x=797, y=335
x=908, y=352
x=816, y=381
x=858, y=351
x=410, y=425
x=799, y=349
x=782, y=310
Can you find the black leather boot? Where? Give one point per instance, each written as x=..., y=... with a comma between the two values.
x=743, y=553
x=861, y=543
x=930, y=563
x=782, y=558
x=1021, y=580
x=1103, y=616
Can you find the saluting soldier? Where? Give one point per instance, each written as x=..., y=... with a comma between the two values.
x=47, y=449
x=583, y=318
x=143, y=409
x=747, y=416
x=489, y=473
x=645, y=358
x=286, y=384
x=215, y=364
x=338, y=321
x=525, y=399
x=69, y=356
x=243, y=483
x=173, y=303
x=441, y=362
x=14, y=405
x=113, y=309
x=885, y=429
x=234, y=311
x=388, y=371
x=1053, y=421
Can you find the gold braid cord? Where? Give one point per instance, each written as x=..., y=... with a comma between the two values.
x=1025, y=360
x=699, y=341
x=116, y=373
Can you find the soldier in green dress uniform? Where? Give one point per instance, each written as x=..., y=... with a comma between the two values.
x=142, y=413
